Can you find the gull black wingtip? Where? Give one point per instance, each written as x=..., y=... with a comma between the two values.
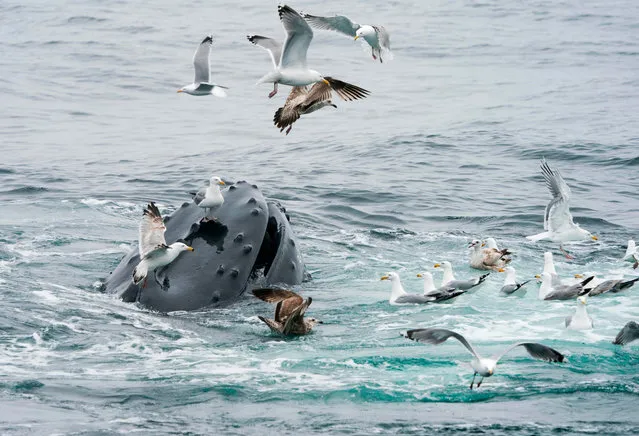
x=207, y=38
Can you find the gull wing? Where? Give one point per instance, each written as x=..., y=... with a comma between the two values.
x=298, y=37
x=296, y=317
x=292, y=109
x=273, y=47
x=338, y=23
x=414, y=299
x=346, y=91
x=627, y=334
x=557, y=214
x=201, y=60
x=437, y=336
x=536, y=350
x=383, y=37
x=151, y=233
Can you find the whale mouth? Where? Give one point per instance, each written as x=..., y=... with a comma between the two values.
x=269, y=248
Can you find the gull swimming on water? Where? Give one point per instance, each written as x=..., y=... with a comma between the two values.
x=488, y=258
x=154, y=253
x=613, y=286
x=376, y=36
x=627, y=334
x=442, y=293
x=305, y=101
x=482, y=366
x=510, y=283
x=290, y=64
x=549, y=291
x=558, y=221
x=632, y=254
x=201, y=83
x=289, y=312
x=400, y=296
x=449, y=280
x=580, y=320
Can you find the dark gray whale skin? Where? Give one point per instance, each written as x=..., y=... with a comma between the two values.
x=250, y=234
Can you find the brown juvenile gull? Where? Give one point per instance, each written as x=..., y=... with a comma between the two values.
x=302, y=100
x=483, y=367
x=154, y=253
x=376, y=36
x=487, y=258
x=627, y=334
x=289, y=311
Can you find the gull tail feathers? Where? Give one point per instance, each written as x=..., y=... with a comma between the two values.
x=482, y=278
x=539, y=236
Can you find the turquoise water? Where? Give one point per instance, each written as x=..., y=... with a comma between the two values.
x=445, y=150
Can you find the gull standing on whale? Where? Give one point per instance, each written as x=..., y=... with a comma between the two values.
x=201, y=83
x=212, y=196
x=558, y=223
x=290, y=64
x=376, y=36
x=154, y=253
x=482, y=366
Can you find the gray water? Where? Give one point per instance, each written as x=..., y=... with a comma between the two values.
x=446, y=149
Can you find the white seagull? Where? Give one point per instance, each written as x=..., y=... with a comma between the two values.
x=483, y=367
x=580, y=320
x=376, y=36
x=510, y=283
x=449, y=280
x=154, y=253
x=400, y=296
x=212, y=196
x=290, y=64
x=201, y=83
x=558, y=221
x=632, y=254
x=442, y=293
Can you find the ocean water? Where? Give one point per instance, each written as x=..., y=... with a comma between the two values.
x=446, y=149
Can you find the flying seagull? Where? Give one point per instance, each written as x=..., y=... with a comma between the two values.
x=483, y=367
x=201, y=83
x=376, y=36
x=289, y=311
x=558, y=221
x=154, y=253
x=304, y=101
x=632, y=254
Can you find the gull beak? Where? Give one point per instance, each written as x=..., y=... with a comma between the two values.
x=437, y=265
x=326, y=82
x=221, y=182
x=583, y=301
x=179, y=90
x=356, y=37
x=579, y=276
x=594, y=238
x=537, y=276
x=384, y=278
x=190, y=248
x=501, y=270
x=490, y=371
x=483, y=244
x=420, y=275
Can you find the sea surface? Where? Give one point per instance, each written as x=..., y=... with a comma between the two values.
x=446, y=149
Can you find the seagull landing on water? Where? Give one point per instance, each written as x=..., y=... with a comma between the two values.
x=201, y=83
x=558, y=221
x=483, y=367
x=376, y=36
x=154, y=253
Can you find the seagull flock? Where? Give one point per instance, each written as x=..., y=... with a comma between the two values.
x=312, y=91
